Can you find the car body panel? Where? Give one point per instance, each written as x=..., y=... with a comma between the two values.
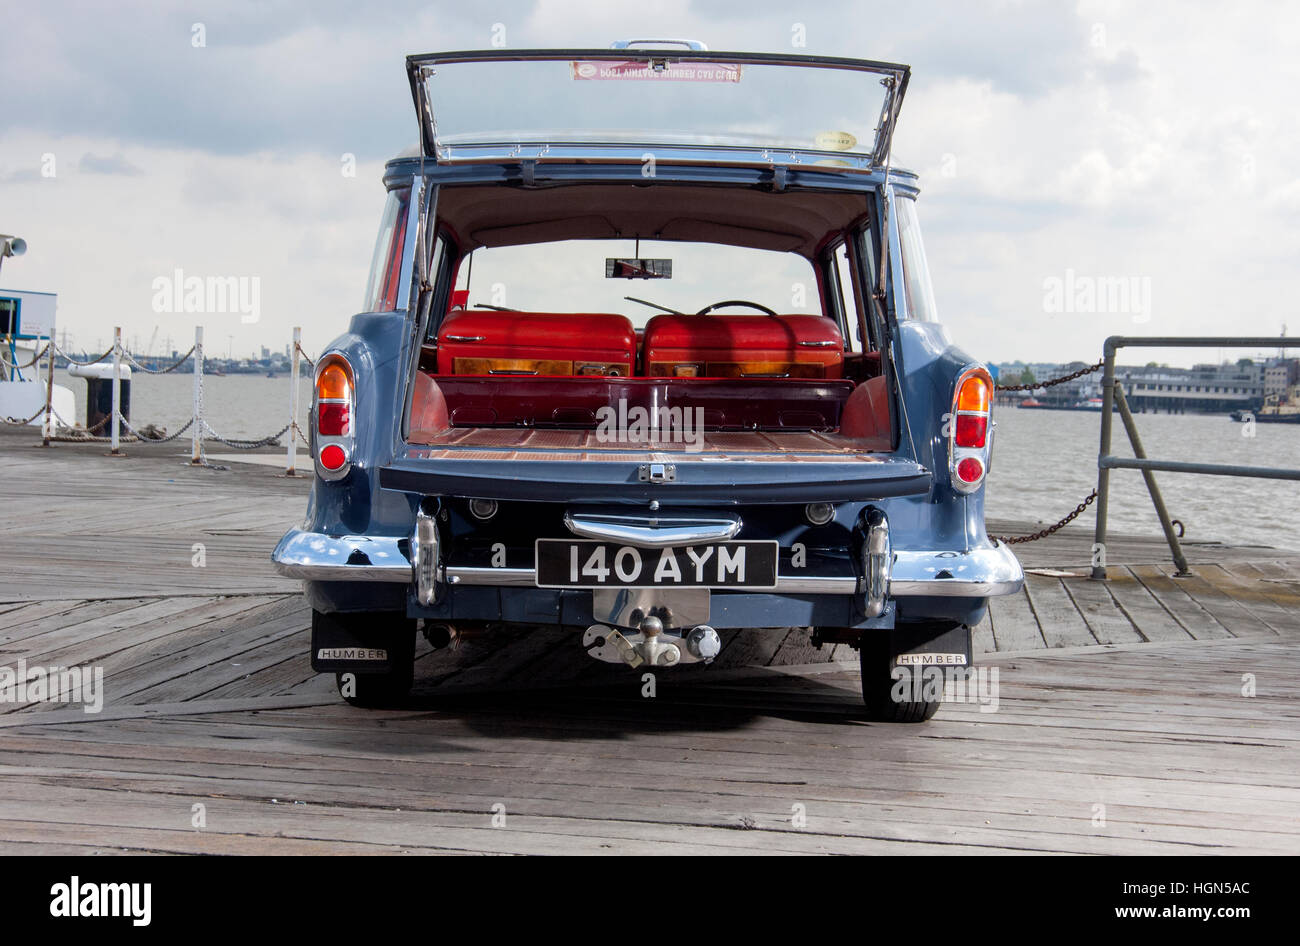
x=355, y=550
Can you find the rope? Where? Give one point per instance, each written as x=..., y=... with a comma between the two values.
x=15, y=422
x=130, y=360
x=4, y=358
x=1047, y=384
x=311, y=362
x=81, y=364
x=75, y=434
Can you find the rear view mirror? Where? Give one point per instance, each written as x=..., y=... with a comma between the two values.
x=638, y=268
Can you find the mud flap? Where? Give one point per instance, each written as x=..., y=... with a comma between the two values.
x=377, y=642
x=930, y=646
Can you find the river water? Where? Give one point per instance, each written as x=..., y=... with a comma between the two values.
x=1044, y=462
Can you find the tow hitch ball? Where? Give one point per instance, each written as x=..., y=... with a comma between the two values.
x=651, y=645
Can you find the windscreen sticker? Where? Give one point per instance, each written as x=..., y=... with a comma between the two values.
x=835, y=141
x=668, y=72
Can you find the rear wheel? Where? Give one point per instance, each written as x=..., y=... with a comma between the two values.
x=888, y=699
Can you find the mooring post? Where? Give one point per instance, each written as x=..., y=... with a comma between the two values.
x=1130, y=425
x=196, y=438
x=49, y=392
x=293, y=400
x=115, y=436
x=1103, y=472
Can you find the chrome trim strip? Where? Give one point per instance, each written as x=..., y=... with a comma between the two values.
x=817, y=584
x=977, y=573
x=505, y=577
x=652, y=531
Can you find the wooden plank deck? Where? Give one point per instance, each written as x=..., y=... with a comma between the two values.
x=1126, y=694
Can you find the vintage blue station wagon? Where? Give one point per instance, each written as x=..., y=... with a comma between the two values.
x=649, y=351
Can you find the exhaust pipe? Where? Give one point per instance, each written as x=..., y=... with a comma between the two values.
x=438, y=635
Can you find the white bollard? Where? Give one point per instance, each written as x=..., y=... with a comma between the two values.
x=293, y=401
x=117, y=391
x=196, y=438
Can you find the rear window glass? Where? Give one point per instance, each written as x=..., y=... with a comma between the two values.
x=386, y=261
x=916, y=272
x=569, y=276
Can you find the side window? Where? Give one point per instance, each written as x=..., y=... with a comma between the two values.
x=916, y=274
x=386, y=262
x=440, y=273
x=843, y=299
x=851, y=323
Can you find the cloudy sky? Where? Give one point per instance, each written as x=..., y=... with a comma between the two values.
x=1059, y=144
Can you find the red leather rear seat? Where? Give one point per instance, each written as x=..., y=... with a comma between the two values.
x=743, y=346
x=477, y=341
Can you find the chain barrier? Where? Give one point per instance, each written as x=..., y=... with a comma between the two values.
x=130, y=360
x=144, y=438
x=1047, y=384
x=272, y=441
x=1044, y=533
x=73, y=433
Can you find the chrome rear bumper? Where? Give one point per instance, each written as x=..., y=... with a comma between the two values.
x=974, y=573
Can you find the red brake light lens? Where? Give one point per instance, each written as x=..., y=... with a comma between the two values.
x=333, y=457
x=972, y=430
x=333, y=420
x=970, y=470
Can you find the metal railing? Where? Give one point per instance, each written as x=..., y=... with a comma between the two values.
x=1114, y=401
x=200, y=429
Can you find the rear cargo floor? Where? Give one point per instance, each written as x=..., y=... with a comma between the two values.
x=494, y=443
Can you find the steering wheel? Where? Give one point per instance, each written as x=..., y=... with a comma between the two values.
x=722, y=305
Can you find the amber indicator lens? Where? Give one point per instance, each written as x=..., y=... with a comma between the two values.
x=333, y=382
x=974, y=395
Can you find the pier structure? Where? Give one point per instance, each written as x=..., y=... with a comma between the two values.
x=1144, y=714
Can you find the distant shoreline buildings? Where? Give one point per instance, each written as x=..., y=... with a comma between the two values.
x=1245, y=384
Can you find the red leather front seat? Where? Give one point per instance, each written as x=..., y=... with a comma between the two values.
x=479, y=341
x=743, y=346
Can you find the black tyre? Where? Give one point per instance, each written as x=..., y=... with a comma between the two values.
x=880, y=688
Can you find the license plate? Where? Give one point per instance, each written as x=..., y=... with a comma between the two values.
x=562, y=563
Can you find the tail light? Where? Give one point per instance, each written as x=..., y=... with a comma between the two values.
x=970, y=435
x=332, y=413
